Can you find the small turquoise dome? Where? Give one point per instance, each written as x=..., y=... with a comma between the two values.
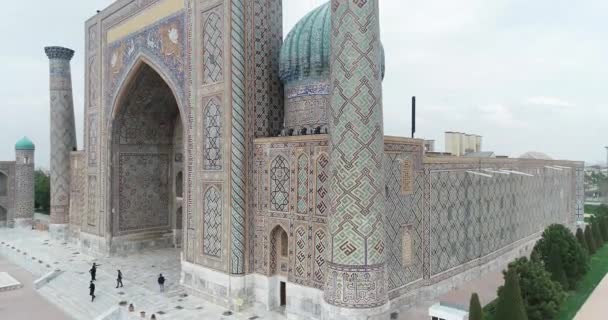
x=305, y=51
x=24, y=144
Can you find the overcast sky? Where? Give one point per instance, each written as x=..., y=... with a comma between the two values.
x=526, y=75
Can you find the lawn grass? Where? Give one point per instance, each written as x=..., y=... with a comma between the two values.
x=598, y=268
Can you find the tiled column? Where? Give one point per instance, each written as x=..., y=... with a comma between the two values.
x=24, y=197
x=356, y=270
x=63, y=135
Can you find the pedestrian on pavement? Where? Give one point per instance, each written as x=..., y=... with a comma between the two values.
x=92, y=291
x=161, y=282
x=119, y=279
x=93, y=271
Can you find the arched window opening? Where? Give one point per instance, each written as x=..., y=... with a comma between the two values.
x=284, y=244
x=3, y=185
x=179, y=184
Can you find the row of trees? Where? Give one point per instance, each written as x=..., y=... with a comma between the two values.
x=535, y=288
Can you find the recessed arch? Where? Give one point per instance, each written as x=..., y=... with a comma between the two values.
x=279, y=251
x=3, y=216
x=146, y=120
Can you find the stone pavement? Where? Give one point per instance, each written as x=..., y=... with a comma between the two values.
x=595, y=306
x=36, y=252
x=25, y=302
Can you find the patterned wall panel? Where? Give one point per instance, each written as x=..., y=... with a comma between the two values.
x=213, y=44
x=212, y=139
x=91, y=217
x=318, y=265
x=302, y=187
x=212, y=222
x=279, y=184
x=301, y=253
x=93, y=137
x=143, y=191
x=322, y=185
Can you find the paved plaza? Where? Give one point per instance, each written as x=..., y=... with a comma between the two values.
x=595, y=306
x=40, y=255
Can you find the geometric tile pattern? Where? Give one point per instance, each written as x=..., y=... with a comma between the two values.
x=322, y=185
x=91, y=216
x=301, y=253
x=213, y=43
x=356, y=145
x=402, y=210
x=238, y=159
x=320, y=243
x=143, y=190
x=213, y=136
x=279, y=184
x=212, y=227
x=303, y=184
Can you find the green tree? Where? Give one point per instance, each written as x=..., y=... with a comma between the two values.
x=597, y=234
x=42, y=191
x=589, y=239
x=580, y=236
x=475, y=312
x=573, y=256
x=556, y=268
x=603, y=227
x=541, y=296
x=510, y=304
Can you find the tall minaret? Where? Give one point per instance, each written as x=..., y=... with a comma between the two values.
x=356, y=284
x=63, y=136
x=24, y=178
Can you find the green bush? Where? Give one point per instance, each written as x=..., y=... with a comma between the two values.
x=541, y=296
x=580, y=237
x=589, y=239
x=572, y=255
x=556, y=268
x=603, y=227
x=510, y=304
x=597, y=234
x=475, y=312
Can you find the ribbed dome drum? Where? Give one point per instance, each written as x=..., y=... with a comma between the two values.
x=304, y=70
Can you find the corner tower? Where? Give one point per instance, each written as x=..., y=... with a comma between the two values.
x=63, y=135
x=356, y=284
x=24, y=178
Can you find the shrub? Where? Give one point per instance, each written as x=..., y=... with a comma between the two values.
x=603, y=227
x=556, y=268
x=510, y=304
x=597, y=234
x=574, y=258
x=541, y=296
x=475, y=312
x=580, y=237
x=589, y=239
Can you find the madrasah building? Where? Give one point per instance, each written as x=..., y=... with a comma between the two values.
x=264, y=161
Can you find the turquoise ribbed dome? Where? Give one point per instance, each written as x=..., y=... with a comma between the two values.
x=305, y=51
x=24, y=144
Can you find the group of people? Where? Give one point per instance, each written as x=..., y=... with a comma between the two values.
x=93, y=272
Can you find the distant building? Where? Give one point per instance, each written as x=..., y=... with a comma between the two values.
x=17, y=186
x=459, y=143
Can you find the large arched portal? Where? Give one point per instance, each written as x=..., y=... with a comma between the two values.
x=147, y=149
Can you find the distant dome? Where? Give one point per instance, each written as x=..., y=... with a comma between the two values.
x=305, y=51
x=535, y=155
x=24, y=144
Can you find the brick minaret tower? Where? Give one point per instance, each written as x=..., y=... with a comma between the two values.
x=63, y=136
x=24, y=178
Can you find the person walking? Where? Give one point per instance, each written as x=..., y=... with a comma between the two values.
x=93, y=271
x=92, y=291
x=161, y=282
x=119, y=279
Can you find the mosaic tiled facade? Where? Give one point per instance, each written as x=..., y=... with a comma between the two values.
x=17, y=187
x=266, y=165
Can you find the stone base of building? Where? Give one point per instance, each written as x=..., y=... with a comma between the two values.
x=92, y=244
x=232, y=292
x=135, y=243
x=58, y=231
x=25, y=223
